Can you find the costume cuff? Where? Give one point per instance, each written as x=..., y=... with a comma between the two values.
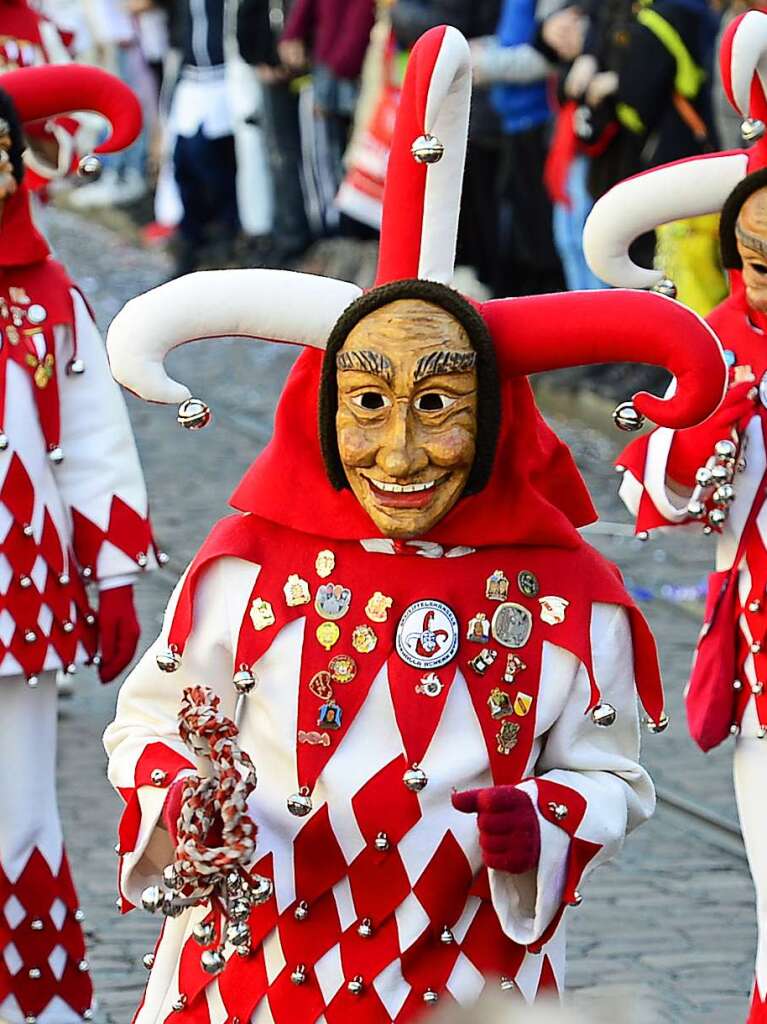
x=124, y=548
x=144, y=849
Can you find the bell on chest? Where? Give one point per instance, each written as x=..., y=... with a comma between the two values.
x=300, y=804
x=243, y=680
x=415, y=779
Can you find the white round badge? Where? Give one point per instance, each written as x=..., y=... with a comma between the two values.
x=427, y=635
x=36, y=314
x=763, y=390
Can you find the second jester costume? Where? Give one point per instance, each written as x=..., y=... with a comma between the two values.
x=441, y=676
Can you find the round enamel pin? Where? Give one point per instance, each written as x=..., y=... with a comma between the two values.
x=528, y=583
x=427, y=635
x=512, y=625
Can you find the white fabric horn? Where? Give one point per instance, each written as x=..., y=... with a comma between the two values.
x=743, y=57
x=273, y=305
x=688, y=188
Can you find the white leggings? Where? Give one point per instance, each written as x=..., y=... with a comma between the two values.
x=750, y=772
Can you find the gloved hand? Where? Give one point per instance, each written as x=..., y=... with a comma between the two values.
x=171, y=809
x=509, y=832
x=119, y=631
x=692, y=448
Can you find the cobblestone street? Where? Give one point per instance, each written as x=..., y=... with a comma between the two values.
x=671, y=925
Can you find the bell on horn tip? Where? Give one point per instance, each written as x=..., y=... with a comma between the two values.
x=90, y=168
x=194, y=414
x=627, y=417
x=751, y=128
x=665, y=287
x=427, y=149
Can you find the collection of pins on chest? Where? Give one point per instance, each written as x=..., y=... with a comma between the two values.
x=427, y=638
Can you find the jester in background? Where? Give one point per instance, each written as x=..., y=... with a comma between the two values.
x=438, y=676
x=671, y=477
x=73, y=514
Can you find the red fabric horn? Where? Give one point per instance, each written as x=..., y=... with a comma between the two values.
x=549, y=332
x=56, y=89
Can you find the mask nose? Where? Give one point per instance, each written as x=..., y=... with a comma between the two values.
x=399, y=456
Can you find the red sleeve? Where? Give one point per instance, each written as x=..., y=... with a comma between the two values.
x=349, y=52
x=300, y=23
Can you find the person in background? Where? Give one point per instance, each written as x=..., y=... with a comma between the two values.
x=202, y=121
x=259, y=23
x=478, y=237
x=531, y=39
x=331, y=38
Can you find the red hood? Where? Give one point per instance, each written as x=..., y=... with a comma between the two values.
x=535, y=495
x=20, y=242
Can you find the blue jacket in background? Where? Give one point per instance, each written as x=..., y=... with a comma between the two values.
x=521, y=107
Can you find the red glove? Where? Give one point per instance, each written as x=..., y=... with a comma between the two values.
x=692, y=448
x=119, y=631
x=509, y=832
x=171, y=809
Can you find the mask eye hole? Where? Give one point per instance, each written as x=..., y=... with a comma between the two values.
x=760, y=268
x=371, y=401
x=433, y=401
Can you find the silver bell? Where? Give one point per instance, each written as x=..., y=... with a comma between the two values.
x=300, y=804
x=212, y=961
x=604, y=715
x=239, y=910
x=506, y=983
x=660, y=726
x=152, y=898
x=382, y=843
x=169, y=875
x=576, y=900
x=696, y=510
x=446, y=936
x=627, y=417
x=90, y=167
x=56, y=455
x=752, y=129
x=148, y=961
x=717, y=517
x=298, y=975
x=725, y=449
x=365, y=928
x=76, y=367
x=34, y=973
x=355, y=986
x=168, y=661
x=430, y=996
x=302, y=911
x=724, y=494
x=193, y=414
x=261, y=889
x=238, y=933
x=427, y=149
x=415, y=779
x=665, y=287
x=3, y=442
x=244, y=680
x=704, y=477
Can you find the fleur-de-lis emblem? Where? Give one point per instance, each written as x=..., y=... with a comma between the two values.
x=43, y=369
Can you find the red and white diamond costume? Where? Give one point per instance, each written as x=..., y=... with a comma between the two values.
x=389, y=882
x=73, y=509
x=689, y=188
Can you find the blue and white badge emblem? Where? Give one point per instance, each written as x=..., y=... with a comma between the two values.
x=427, y=635
x=332, y=601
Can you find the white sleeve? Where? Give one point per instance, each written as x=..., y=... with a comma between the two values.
x=100, y=478
x=146, y=753
x=589, y=789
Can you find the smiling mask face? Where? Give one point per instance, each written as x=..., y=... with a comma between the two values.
x=751, y=239
x=407, y=415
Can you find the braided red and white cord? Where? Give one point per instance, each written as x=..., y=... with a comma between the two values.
x=219, y=799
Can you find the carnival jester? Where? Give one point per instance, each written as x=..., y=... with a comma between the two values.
x=443, y=714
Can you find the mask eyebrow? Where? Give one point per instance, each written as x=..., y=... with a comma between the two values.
x=751, y=241
x=366, y=361
x=435, y=363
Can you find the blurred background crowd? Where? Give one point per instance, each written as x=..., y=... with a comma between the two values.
x=268, y=124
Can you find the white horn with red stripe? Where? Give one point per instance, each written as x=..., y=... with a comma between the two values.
x=688, y=188
x=743, y=63
x=422, y=197
x=272, y=305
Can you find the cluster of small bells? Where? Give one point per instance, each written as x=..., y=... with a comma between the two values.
x=234, y=896
x=715, y=480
